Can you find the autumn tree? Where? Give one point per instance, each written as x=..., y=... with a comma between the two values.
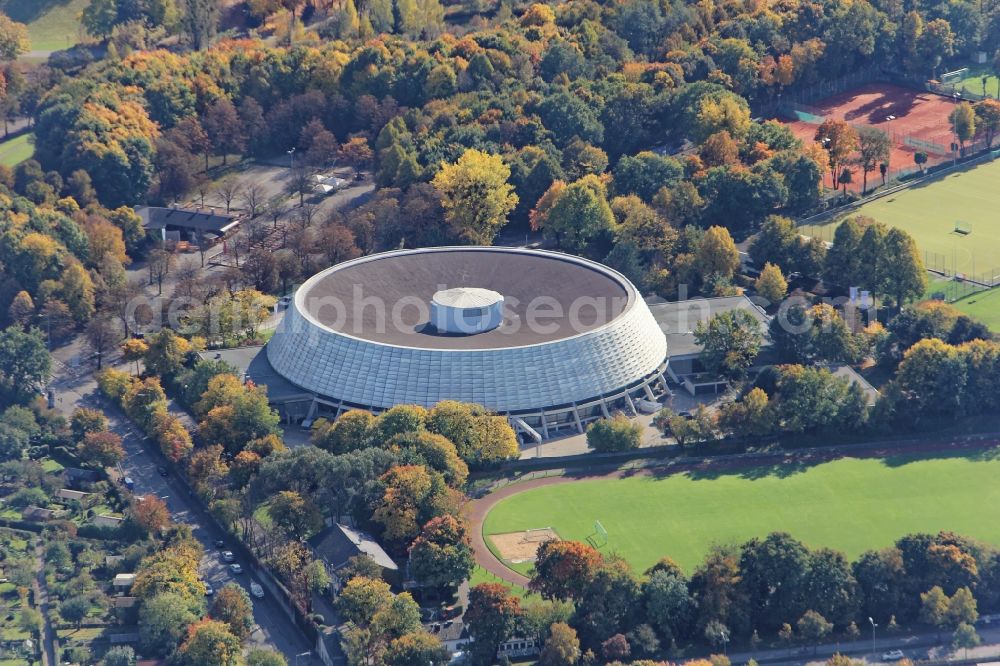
x=491, y=617
x=225, y=132
x=85, y=421
x=418, y=648
x=988, y=119
x=562, y=647
x=210, y=642
x=963, y=123
x=476, y=196
x=13, y=38
x=771, y=284
x=150, y=513
x=563, y=569
x=356, y=153
x=442, y=554
x=103, y=449
x=717, y=254
x=874, y=147
x=232, y=605
x=839, y=140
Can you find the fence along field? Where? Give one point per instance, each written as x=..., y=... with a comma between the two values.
x=917, y=121
x=952, y=218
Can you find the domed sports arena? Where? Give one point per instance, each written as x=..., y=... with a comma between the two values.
x=549, y=339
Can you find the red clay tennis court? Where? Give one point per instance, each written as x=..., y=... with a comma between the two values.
x=915, y=119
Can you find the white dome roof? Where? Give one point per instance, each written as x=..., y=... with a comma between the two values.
x=467, y=297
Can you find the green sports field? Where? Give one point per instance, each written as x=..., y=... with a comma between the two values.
x=52, y=24
x=16, y=150
x=851, y=505
x=929, y=212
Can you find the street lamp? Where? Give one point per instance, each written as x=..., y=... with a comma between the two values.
x=291, y=155
x=873, y=634
x=725, y=643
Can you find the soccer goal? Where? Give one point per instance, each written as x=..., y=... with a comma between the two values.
x=600, y=536
x=963, y=228
x=956, y=76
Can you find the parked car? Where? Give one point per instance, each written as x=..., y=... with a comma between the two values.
x=209, y=591
x=235, y=568
x=256, y=590
x=893, y=655
x=129, y=483
x=227, y=556
x=163, y=471
x=220, y=544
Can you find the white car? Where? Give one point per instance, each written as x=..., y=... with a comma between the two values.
x=235, y=568
x=256, y=590
x=208, y=590
x=893, y=655
x=227, y=556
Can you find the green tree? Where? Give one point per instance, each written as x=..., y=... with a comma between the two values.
x=965, y=637
x=200, y=21
x=476, y=196
x=265, y=657
x=163, y=620
x=75, y=609
x=901, y=269
x=580, y=215
x=99, y=17
x=934, y=608
x=668, y=603
x=730, y=342
x=618, y=433
x=297, y=515
x=814, y=627
x=25, y=363
x=119, y=655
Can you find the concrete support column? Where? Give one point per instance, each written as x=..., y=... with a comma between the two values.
x=631, y=405
x=649, y=392
x=576, y=417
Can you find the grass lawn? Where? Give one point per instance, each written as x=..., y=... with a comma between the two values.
x=481, y=575
x=16, y=150
x=52, y=24
x=929, y=212
x=51, y=466
x=851, y=505
x=973, y=81
x=984, y=306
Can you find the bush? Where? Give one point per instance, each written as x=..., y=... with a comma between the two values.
x=615, y=434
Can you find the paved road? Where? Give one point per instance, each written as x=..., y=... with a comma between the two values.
x=77, y=388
